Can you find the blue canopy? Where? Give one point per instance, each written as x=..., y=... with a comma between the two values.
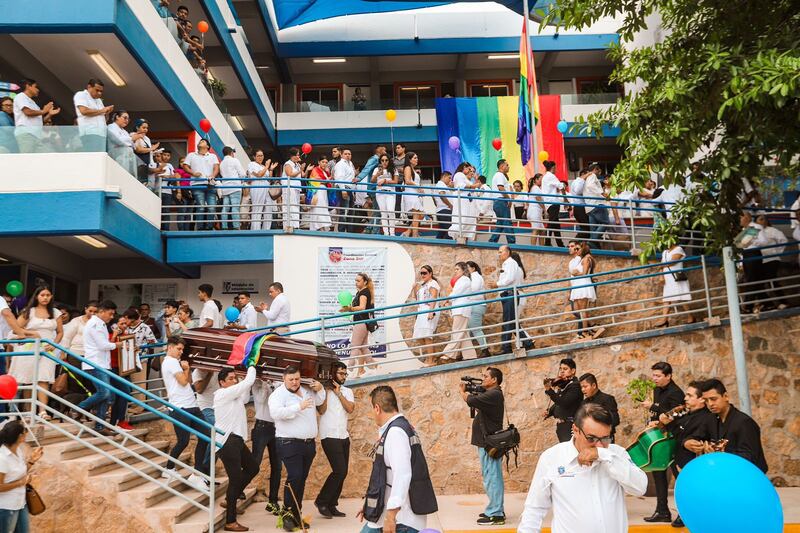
x=296, y=12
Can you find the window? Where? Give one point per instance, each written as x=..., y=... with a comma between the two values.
x=489, y=88
x=319, y=98
x=273, y=93
x=419, y=94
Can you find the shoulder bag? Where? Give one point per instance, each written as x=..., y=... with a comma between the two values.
x=34, y=502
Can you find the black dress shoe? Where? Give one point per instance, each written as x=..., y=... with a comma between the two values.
x=528, y=345
x=337, y=513
x=659, y=517
x=324, y=511
x=289, y=524
x=678, y=522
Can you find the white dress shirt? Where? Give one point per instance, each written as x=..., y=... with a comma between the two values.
x=279, y=311
x=344, y=171
x=233, y=172
x=210, y=311
x=205, y=399
x=291, y=422
x=585, y=499
x=333, y=423
x=593, y=190
x=261, y=393
x=204, y=164
x=13, y=467
x=97, y=347
x=462, y=286
x=552, y=186
x=510, y=273
x=95, y=125
x=248, y=317
x=230, y=414
x=397, y=456
x=476, y=285
x=772, y=237
x=576, y=189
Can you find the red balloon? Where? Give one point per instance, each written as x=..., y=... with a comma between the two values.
x=205, y=125
x=453, y=281
x=497, y=143
x=202, y=26
x=307, y=148
x=8, y=387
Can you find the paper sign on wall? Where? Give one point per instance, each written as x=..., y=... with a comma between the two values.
x=235, y=286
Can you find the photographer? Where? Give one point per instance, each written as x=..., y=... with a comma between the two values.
x=565, y=393
x=487, y=402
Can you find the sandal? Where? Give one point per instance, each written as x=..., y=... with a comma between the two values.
x=44, y=416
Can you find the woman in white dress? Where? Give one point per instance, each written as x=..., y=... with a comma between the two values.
x=385, y=179
x=41, y=317
x=291, y=185
x=460, y=345
x=412, y=197
x=262, y=206
x=676, y=285
x=519, y=205
x=465, y=213
x=120, y=142
x=425, y=325
x=478, y=309
x=320, y=215
x=582, y=293
x=535, y=211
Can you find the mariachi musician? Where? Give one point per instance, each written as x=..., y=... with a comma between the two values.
x=565, y=393
x=666, y=397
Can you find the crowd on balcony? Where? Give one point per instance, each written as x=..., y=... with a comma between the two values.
x=181, y=28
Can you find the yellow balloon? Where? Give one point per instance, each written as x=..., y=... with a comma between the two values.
x=391, y=115
x=543, y=156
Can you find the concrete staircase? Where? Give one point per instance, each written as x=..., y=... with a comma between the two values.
x=134, y=494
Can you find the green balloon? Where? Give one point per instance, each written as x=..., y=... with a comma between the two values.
x=14, y=288
x=345, y=298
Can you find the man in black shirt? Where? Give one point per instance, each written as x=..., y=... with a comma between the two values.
x=692, y=431
x=666, y=396
x=741, y=432
x=565, y=393
x=592, y=394
x=489, y=406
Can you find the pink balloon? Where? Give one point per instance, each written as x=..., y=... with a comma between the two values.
x=454, y=143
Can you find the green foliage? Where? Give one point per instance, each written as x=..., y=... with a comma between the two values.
x=640, y=389
x=722, y=88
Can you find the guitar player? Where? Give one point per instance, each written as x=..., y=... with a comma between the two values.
x=666, y=396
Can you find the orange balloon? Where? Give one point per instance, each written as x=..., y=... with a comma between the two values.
x=202, y=26
x=543, y=156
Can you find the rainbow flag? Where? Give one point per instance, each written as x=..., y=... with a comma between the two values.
x=529, y=128
x=247, y=348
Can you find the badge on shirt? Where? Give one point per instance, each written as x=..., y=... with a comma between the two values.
x=561, y=470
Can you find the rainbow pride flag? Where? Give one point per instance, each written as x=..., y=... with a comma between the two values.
x=247, y=348
x=529, y=128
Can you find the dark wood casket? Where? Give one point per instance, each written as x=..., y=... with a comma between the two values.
x=209, y=349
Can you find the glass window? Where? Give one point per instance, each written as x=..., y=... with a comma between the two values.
x=411, y=96
x=272, y=94
x=488, y=89
x=319, y=99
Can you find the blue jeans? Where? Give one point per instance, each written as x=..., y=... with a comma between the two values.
x=17, y=521
x=231, y=204
x=120, y=404
x=208, y=414
x=598, y=216
x=492, y=471
x=503, y=225
x=101, y=398
x=400, y=529
x=476, y=325
x=206, y=201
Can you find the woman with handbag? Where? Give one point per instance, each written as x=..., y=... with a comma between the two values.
x=676, y=285
x=14, y=477
x=359, y=339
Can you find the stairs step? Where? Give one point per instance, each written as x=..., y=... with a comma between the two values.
x=98, y=464
x=71, y=449
x=126, y=479
x=151, y=494
x=48, y=436
x=180, y=508
x=197, y=522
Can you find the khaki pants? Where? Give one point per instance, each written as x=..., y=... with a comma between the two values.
x=460, y=340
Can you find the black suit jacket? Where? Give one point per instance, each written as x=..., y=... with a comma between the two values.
x=665, y=399
x=608, y=402
x=744, y=437
x=566, y=400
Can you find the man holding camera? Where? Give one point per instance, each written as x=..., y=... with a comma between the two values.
x=487, y=403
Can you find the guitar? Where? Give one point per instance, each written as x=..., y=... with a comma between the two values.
x=654, y=448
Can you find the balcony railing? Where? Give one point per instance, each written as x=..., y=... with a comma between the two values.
x=589, y=98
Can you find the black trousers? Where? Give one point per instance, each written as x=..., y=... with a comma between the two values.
x=564, y=431
x=769, y=271
x=296, y=456
x=443, y=220
x=241, y=467
x=181, y=415
x=263, y=436
x=661, y=480
x=753, y=267
x=579, y=212
x=338, y=453
x=553, y=225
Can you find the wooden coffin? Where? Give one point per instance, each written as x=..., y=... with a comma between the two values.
x=209, y=349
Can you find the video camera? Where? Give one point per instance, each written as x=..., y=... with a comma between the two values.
x=474, y=385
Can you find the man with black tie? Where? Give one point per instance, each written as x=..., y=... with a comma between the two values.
x=666, y=396
x=565, y=393
x=592, y=394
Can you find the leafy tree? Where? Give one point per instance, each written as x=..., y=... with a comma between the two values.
x=721, y=88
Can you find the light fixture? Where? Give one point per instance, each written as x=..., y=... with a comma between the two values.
x=329, y=60
x=415, y=88
x=494, y=86
x=106, y=67
x=262, y=67
x=91, y=241
x=503, y=56
x=236, y=124
x=4, y=260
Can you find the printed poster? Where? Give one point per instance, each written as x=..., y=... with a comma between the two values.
x=338, y=267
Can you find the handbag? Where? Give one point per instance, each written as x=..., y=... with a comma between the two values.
x=372, y=326
x=680, y=276
x=60, y=386
x=502, y=443
x=34, y=502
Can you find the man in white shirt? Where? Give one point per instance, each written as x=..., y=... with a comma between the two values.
x=232, y=173
x=91, y=115
x=345, y=172
x=511, y=275
x=28, y=117
x=247, y=313
x=210, y=317
x=776, y=240
x=279, y=311
x=203, y=166
x=205, y=384
x=178, y=382
x=551, y=188
x=335, y=439
x=576, y=189
x=240, y=465
x=396, y=514
x=502, y=204
x=444, y=207
x=292, y=407
x=97, y=352
x=263, y=436
x=584, y=480
x=596, y=197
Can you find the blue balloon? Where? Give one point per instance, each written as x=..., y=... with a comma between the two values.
x=562, y=126
x=231, y=314
x=724, y=492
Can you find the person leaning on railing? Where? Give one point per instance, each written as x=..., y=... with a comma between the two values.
x=15, y=474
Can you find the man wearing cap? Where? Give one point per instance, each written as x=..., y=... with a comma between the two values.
x=230, y=190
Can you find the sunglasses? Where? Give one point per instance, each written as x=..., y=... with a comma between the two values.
x=594, y=440
x=423, y=272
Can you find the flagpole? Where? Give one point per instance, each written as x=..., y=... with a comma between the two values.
x=534, y=150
